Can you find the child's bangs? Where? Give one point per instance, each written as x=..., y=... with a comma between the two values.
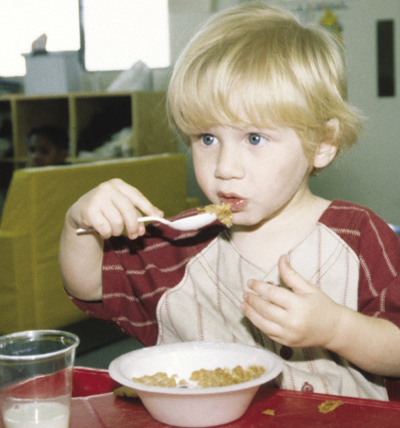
x=239, y=94
x=259, y=83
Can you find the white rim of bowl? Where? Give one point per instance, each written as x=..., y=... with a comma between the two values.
x=269, y=375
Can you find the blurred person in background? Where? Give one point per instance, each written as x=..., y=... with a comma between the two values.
x=47, y=145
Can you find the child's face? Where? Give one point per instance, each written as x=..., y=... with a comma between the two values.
x=260, y=172
x=43, y=152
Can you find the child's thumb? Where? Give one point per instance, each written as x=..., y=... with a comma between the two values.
x=292, y=278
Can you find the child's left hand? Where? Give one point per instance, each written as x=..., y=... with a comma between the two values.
x=301, y=315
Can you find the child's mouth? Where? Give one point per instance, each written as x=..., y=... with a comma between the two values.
x=236, y=202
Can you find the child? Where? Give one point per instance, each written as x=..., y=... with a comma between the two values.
x=47, y=145
x=261, y=102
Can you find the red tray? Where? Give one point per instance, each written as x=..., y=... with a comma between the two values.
x=87, y=382
x=94, y=406
x=290, y=408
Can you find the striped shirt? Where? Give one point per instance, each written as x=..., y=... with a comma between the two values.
x=172, y=286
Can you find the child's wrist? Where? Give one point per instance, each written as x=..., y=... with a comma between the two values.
x=341, y=320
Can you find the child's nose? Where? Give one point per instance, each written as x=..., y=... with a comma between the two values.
x=229, y=163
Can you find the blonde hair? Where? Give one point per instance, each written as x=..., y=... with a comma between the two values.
x=257, y=65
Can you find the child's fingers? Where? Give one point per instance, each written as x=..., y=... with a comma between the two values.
x=257, y=317
x=106, y=220
x=123, y=215
x=130, y=215
x=128, y=200
x=113, y=206
x=138, y=199
x=103, y=227
x=266, y=308
x=293, y=279
x=274, y=293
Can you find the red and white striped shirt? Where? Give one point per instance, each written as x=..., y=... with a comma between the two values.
x=172, y=286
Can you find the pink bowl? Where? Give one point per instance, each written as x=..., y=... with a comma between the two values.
x=195, y=407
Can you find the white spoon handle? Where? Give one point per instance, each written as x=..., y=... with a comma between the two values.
x=186, y=223
x=82, y=231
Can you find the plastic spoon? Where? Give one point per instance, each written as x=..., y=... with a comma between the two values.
x=187, y=223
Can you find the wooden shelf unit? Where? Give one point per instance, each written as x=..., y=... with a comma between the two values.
x=143, y=111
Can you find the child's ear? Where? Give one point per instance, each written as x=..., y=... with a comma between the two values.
x=327, y=149
x=325, y=155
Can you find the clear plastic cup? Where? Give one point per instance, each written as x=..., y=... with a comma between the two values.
x=36, y=378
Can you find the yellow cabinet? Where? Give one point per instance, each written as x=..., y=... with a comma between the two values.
x=90, y=118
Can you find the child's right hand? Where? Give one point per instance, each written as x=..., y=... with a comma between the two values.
x=110, y=208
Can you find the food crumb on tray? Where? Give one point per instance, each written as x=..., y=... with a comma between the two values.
x=125, y=391
x=329, y=406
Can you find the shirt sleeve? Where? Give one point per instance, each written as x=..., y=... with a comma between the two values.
x=133, y=283
x=379, y=255
x=136, y=274
x=377, y=248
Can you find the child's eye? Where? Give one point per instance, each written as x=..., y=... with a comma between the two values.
x=208, y=139
x=256, y=139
